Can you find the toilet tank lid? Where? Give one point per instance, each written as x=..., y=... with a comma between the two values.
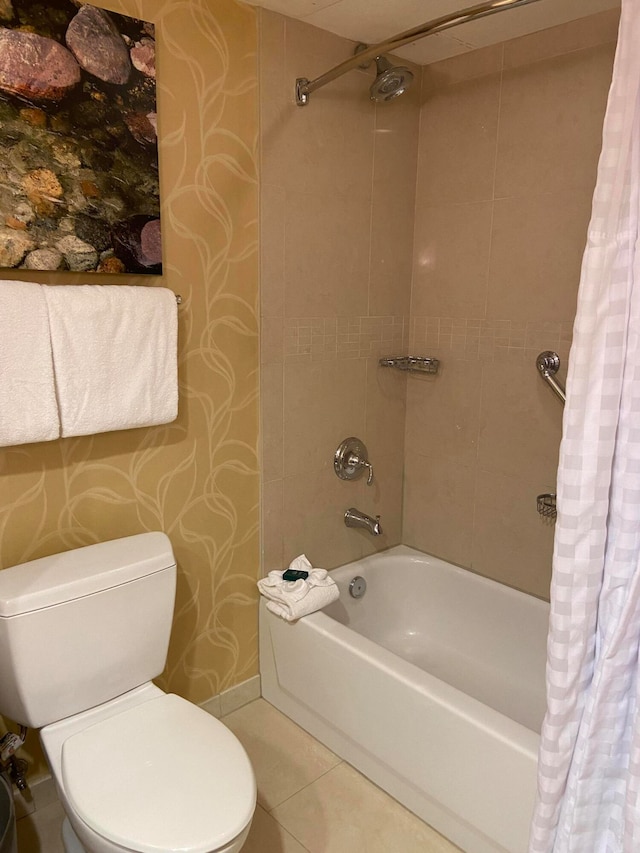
x=83, y=571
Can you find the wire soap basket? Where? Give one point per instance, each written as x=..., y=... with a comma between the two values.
x=547, y=505
x=412, y=363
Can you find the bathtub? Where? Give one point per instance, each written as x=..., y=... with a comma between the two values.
x=432, y=685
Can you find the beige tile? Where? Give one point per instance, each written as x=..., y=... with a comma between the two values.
x=271, y=340
x=314, y=507
x=551, y=119
x=284, y=757
x=272, y=526
x=466, y=66
x=536, y=256
x=385, y=410
x=213, y=706
x=520, y=424
x=272, y=201
x=392, y=226
x=327, y=244
x=326, y=151
x=451, y=259
x=277, y=116
x=239, y=695
x=44, y=791
x=24, y=802
x=511, y=542
x=345, y=813
x=41, y=832
x=267, y=836
x=593, y=30
x=272, y=412
x=443, y=413
x=438, y=507
x=324, y=403
x=458, y=138
x=271, y=29
x=389, y=294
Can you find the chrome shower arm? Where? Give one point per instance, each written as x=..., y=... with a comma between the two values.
x=305, y=87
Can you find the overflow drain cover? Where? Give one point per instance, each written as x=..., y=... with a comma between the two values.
x=358, y=587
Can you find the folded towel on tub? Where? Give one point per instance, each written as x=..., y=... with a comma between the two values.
x=28, y=408
x=115, y=356
x=292, y=599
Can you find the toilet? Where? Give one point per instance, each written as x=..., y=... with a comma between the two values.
x=82, y=634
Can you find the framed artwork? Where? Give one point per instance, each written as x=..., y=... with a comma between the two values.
x=79, y=187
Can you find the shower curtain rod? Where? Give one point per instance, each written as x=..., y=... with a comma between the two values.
x=305, y=87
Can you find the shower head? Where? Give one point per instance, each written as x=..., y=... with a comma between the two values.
x=391, y=80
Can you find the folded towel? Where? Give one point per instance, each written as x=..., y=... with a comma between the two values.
x=28, y=409
x=293, y=599
x=114, y=355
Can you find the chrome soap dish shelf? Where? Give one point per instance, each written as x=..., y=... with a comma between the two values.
x=547, y=506
x=412, y=364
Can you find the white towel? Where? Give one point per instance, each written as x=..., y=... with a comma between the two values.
x=114, y=356
x=28, y=409
x=293, y=599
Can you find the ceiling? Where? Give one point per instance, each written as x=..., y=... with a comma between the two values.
x=374, y=21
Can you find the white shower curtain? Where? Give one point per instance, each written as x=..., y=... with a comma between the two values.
x=589, y=768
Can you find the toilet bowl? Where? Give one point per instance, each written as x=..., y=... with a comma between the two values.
x=149, y=771
x=137, y=770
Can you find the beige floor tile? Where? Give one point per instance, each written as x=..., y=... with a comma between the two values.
x=345, y=813
x=285, y=758
x=40, y=832
x=267, y=836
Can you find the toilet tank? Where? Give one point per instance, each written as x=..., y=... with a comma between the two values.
x=82, y=627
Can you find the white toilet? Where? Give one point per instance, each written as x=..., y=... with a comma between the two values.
x=81, y=636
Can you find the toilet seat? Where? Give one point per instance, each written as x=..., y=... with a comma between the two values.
x=163, y=775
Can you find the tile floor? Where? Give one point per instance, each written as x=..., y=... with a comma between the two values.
x=308, y=799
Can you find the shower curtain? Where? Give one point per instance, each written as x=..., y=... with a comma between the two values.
x=589, y=768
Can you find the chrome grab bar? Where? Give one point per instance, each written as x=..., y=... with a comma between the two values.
x=548, y=363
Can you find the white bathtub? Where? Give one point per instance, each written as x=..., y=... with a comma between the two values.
x=432, y=685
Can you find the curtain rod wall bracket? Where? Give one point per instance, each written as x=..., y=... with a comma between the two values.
x=302, y=91
x=305, y=87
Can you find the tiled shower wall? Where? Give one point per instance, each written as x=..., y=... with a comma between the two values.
x=508, y=151
x=338, y=199
x=450, y=223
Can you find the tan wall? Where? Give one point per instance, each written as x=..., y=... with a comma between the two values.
x=196, y=479
x=509, y=142
x=338, y=189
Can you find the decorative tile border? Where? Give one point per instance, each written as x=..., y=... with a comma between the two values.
x=327, y=339
x=463, y=339
x=488, y=340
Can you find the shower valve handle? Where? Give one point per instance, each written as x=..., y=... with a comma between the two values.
x=357, y=463
x=351, y=460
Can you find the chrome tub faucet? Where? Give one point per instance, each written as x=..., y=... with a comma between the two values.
x=354, y=518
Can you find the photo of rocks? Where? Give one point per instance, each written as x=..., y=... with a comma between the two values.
x=78, y=140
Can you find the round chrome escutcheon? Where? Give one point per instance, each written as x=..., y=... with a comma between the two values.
x=357, y=587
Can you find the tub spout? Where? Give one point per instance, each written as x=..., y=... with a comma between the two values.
x=354, y=518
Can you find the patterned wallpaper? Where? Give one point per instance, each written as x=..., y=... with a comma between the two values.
x=196, y=479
